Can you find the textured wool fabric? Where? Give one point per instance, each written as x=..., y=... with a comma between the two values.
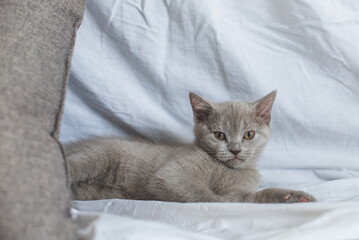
x=36, y=43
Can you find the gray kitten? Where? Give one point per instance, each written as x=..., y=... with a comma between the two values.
x=219, y=167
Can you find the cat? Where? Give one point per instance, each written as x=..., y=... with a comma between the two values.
x=219, y=167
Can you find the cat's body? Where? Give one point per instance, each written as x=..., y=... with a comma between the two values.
x=219, y=167
x=140, y=170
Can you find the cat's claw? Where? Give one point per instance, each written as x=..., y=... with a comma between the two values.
x=286, y=197
x=297, y=197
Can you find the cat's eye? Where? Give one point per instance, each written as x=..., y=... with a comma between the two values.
x=220, y=136
x=249, y=135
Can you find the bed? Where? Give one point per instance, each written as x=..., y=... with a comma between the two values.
x=135, y=63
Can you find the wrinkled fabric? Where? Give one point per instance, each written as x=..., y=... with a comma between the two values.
x=136, y=61
x=334, y=217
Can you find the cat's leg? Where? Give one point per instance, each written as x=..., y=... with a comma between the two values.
x=278, y=195
x=94, y=191
x=180, y=190
x=178, y=182
x=89, y=159
x=93, y=167
x=199, y=194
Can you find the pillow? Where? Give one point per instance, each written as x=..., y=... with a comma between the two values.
x=36, y=43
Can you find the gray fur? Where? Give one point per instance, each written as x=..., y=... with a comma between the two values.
x=205, y=171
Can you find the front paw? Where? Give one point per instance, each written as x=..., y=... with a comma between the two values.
x=297, y=197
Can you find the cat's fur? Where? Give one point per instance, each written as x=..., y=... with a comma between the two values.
x=206, y=171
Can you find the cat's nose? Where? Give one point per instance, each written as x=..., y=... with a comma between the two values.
x=235, y=152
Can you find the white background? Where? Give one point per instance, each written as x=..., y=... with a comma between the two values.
x=136, y=61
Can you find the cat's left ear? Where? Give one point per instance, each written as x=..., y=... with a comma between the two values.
x=201, y=108
x=264, y=107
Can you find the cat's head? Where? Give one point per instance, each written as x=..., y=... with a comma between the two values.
x=234, y=133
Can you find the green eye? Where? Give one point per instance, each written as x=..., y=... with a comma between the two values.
x=220, y=136
x=249, y=135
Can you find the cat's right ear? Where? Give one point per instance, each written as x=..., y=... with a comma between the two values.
x=264, y=107
x=201, y=108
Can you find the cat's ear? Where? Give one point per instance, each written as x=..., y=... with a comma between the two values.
x=264, y=107
x=201, y=108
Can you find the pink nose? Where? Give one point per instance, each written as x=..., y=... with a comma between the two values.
x=235, y=152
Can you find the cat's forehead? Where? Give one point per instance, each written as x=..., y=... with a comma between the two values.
x=234, y=116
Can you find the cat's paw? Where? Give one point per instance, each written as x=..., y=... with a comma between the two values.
x=297, y=197
x=280, y=195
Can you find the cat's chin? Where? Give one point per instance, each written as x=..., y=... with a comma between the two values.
x=234, y=163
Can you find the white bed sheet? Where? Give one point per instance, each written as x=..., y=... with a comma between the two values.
x=135, y=62
x=335, y=216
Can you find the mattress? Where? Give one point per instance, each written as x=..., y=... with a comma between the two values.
x=135, y=61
